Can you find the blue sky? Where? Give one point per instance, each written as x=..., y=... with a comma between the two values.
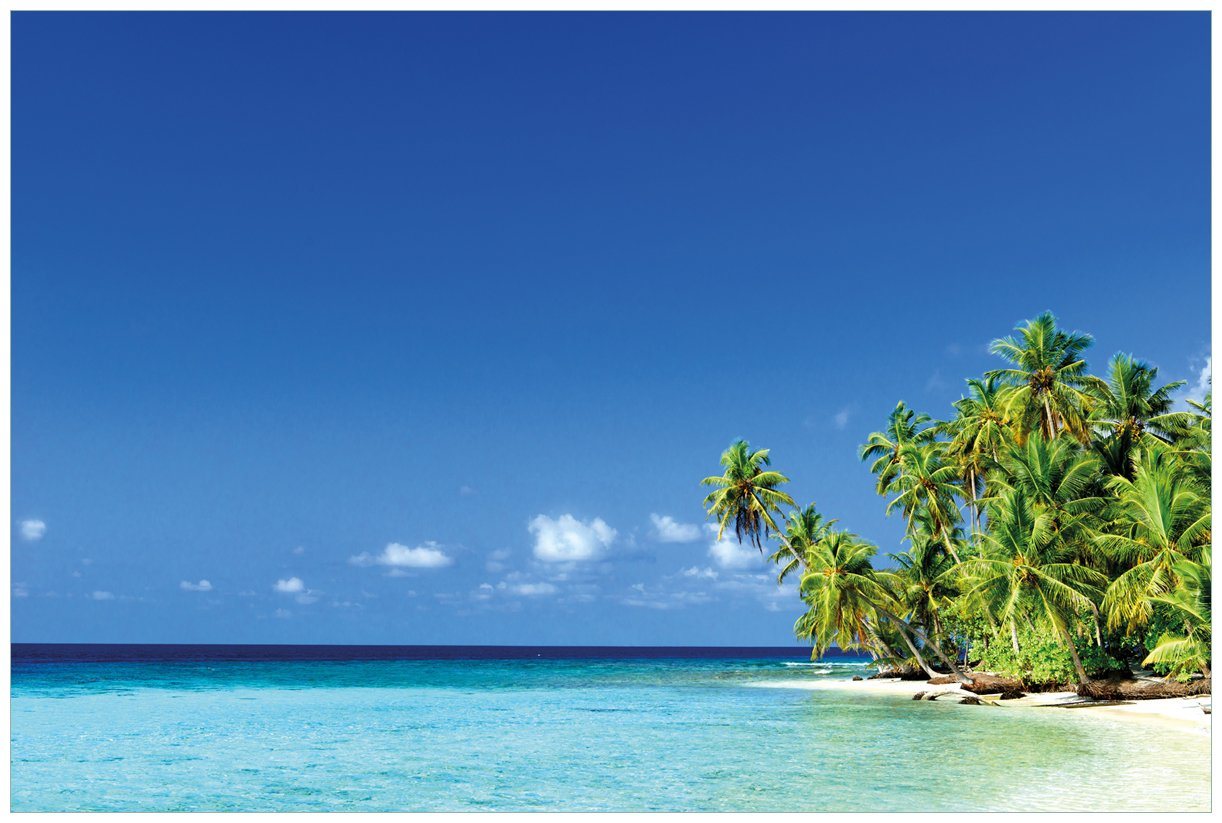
x=423, y=328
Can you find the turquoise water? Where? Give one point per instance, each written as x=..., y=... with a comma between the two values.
x=521, y=735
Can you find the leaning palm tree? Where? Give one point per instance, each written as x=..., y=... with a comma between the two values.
x=925, y=582
x=1049, y=389
x=1160, y=518
x=844, y=596
x=804, y=528
x=1026, y=565
x=746, y=495
x=904, y=426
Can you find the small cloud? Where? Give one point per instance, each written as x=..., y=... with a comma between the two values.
x=567, y=539
x=532, y=589
x=935, y=382
x=396, y=555
x=102, y=596
x=841, y=418
x=729, y=553
x=307, y=597
x=705, y=573
x=20, y=591
x=291, y=586
x=201, y=586
x=496, y=560
x=466, y=491
x=954, y=349
x=33, y=530
x=247, y=593
x=282, y=614
x=299, y=551
x=668, y=530
x=643, y=597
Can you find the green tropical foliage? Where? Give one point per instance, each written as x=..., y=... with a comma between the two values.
x=1056, y=527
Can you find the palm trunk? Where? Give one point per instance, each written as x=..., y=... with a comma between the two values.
x=920, y=635
x=971, y=482
x=949, y=546
x=1073, y=652
x=920, y=660
x=1048, y=414
x=1014, y=635
x=1095, y=619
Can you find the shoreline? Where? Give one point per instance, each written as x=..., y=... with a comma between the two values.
x=1183, y=714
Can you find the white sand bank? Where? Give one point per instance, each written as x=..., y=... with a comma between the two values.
x=1181, y=713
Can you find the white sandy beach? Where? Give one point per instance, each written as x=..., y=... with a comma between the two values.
x=1186, y=714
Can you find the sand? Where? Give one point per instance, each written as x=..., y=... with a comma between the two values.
x=1185, y=714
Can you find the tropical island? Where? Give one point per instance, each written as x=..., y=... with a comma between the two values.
x=1057, y=531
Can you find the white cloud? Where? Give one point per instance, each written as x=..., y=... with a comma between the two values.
x=668, y=530
x=396, y=555
x=568, y=539
x=300, y=550
x=20, y=590
x=729, y=553
x=496, y=561
x=532, y=589
x=466, y=491
x=102, y=596
x=283, y=614
x=307, y=597
x=841, y=418
x=705, y=573
x=33, y=530
x=645, y=598
x=1204, y=380
x=291, y=586
x=201, y=586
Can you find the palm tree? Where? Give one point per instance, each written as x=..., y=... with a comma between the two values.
x=904, y=426
x=804, y=528
x=978, y=433
x=1026, y=565
x=844, y=596
x=924, y=583
x=1128, y=403
x=1057, y=477
x=1160, y=518
x=1049, y=387
x=1189, y=604
x=1129, y=408
x=839, y=590
x=1192, y=438
x=926, y=483
x=746, y=494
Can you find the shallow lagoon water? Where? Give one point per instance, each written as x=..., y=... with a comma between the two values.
x=523, y=735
